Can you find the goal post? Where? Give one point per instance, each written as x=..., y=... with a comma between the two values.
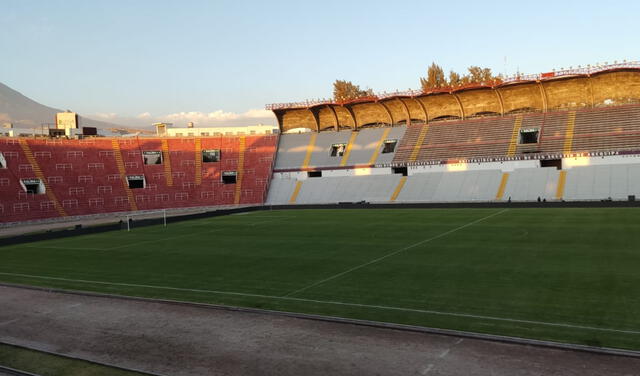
x=148, y=218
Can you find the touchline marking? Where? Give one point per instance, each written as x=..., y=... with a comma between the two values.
x=273, y=216
x=392, y=254
x=65, y=248
x=390, y=308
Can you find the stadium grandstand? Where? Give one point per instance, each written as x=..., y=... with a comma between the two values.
x=56, y=177
x=563, y=135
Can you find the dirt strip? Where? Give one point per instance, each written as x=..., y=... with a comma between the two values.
x=171, y=339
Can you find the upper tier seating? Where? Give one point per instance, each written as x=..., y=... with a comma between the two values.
x=616, y=128
x=89, y=176
x=587, y=130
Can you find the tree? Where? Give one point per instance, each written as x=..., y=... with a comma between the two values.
x=346, y=90
x=435, y=78
x=454, y=79
x=476, y=75
x=479, y=75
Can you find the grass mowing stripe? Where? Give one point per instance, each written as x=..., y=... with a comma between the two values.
x=373, y=306
x=392, y=253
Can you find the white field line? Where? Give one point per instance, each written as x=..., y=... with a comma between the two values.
x=272, y=216
x=329, y=302
x=393, y=253
x=64, y=248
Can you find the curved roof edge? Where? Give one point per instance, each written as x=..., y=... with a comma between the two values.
x=509, y=81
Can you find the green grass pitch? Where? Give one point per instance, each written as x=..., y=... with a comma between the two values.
x=569, y=275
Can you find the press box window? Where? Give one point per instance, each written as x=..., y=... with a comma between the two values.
x=400, y=170
x=529, y=136
x=389, y=146
x=136, y=181
x=33, y=186
x=152, y=157
x=210, y=156
x=337, y=150
x=228, y=177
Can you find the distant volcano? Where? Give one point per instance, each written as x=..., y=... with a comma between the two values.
x=24, y=112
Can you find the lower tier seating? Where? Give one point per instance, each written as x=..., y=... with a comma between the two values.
x=598, y=182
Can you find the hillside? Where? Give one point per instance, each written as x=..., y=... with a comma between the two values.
x=24, y=112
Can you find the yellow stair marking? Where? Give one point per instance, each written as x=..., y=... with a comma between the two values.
x=503, y=185
x=562, y=179
x=568, y=136
x=123, y=174
x=198, y=161
x=312, y=143
x=416, y=148
x=166, y=161
x=345, y=156
x=376, y=152
x=399, y=187
x=513, y=144
x=239, y=171
x=296, y=190
x=36, y=169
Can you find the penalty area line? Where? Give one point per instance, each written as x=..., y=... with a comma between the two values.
x=336, y=303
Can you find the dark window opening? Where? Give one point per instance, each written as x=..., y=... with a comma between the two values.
x=375, y=125
x=337, y=150
x=152, y=157
x=557, y=163
x=400, y=170
x=389, y=146
x=228, y=177
x=33, y=186
x=484, y=114
x=210, y=156
x=446, y=117
x=53, y=132
x=135, y=181
x=314, y=174
x=529, y=136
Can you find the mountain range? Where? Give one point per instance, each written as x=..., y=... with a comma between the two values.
x=24, y=112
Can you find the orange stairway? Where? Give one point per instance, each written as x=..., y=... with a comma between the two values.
x=123, y=174
x=166, y=161
x=198, y=161
x=36, y=169
x=240, y=171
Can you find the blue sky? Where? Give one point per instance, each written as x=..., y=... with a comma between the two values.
x=138, y=61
